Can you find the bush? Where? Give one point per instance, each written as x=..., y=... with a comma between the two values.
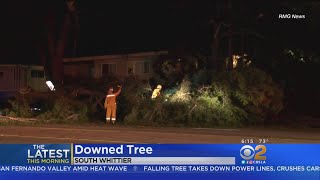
x=183, y=94
x=166, y=109
x=233, y=99
x=256, y=92
x=19, y=109
x=201, y=78
x=133, y=93
x=214, y=109
x=244, y=96
x=66, y=110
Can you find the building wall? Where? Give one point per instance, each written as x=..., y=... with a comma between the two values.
x=118, y=70
x=142, y=66
x=15, y=77
x=79, y=70
x=117, y=65
x=123, y=66
x=12, y=77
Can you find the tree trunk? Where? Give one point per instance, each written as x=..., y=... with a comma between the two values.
x=215, y=48
x=58, y=73
x=230, y=45
x=54, y=46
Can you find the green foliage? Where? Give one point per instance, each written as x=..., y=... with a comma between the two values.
x=66, y=109
x=253, y=91
x=242, y=97
x=301, y=56
x=133, y=92
x=161, y=111
x=214, y=109
x=257, y=93
x=19, y=109
x=201, y=78
x=183, y=94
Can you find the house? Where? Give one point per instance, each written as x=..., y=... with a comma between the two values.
x=138, y=65
x=13, y=78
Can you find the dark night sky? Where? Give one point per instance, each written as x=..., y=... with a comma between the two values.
x=125, y=26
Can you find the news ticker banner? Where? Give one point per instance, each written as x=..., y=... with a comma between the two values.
x=160, y=158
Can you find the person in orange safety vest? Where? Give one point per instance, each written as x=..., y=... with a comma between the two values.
x=110, y=105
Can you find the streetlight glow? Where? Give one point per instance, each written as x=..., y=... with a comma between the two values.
x=50, y=85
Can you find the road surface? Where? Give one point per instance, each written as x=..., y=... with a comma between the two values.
x=130, y=135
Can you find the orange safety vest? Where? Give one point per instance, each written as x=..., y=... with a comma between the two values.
x=111, y=99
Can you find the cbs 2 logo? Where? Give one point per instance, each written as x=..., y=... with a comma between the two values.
x=247, y=152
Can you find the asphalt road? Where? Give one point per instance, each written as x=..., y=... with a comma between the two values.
x=130, y=135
